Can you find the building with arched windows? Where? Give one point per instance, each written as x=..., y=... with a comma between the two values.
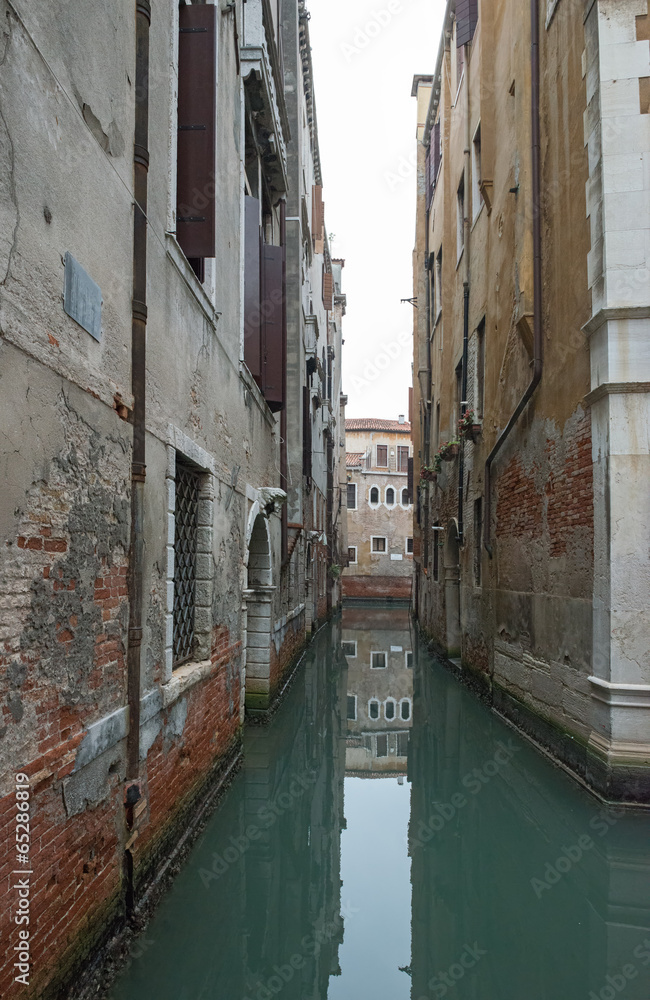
x=380, y=509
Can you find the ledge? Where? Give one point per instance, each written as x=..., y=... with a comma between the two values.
x=611, y=388
x=184, y=678
x=620, y=695
x=615, y=312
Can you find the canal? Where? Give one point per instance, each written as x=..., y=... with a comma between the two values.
x=389, y=838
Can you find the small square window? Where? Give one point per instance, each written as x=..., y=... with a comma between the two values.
x=378, y=661
x=378, y=543
x=352, y=555
x=349, y=648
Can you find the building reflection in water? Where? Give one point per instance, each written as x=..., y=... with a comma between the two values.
x=379, y=691
x=523, y=885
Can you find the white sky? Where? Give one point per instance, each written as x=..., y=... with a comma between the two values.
x=367, y=126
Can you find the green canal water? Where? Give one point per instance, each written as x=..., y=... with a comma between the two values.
x=389, y=838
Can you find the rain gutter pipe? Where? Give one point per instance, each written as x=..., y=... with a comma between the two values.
x=466, y=239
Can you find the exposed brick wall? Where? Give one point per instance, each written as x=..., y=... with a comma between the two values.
x=519, y=503
x=570, y=489
x=377, y=587
x=291, y=646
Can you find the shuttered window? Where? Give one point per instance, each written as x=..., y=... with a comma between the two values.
x=402, y=458
x=196, y=166
x=382, y=455
x=272, y=309
x=252, y=314
x=306, y=432
x=317, y=213
x=328, y=289
x=409, y=481
x=466, y=21
x=437, y=150
x=352, y=496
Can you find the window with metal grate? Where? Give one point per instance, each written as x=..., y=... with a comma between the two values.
x=186, y=521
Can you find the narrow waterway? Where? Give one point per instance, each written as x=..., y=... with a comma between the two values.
x=389, y=838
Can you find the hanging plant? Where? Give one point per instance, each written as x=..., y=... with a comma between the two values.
x=449, y=450
x=469, y=426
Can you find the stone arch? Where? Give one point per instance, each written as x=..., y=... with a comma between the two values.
x=452, y=588
x=258, y=597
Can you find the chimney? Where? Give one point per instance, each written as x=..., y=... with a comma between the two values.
x=400, y=419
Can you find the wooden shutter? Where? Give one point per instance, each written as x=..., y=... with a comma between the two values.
x=252, y=315
x=273, y=346
x=409, y=481
x=436, y=150
x=328, y=289
x=317, y=217
x=466, y=20
x=306, y=432
x=196, y=180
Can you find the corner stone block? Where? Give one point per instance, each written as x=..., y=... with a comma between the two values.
x=205, y=513
x=204, y=539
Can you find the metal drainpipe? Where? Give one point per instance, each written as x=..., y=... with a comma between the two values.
x=466, y=226
x=283, y=412
x=138, y=378
x=537, y=267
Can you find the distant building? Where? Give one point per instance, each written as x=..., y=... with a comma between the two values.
x=380, y=514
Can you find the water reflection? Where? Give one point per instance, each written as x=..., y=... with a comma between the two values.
x=468, y=867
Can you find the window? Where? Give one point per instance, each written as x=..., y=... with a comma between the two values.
x=405, y=709
x=409, y=546
x=374, y=495
x=378, y=661
x=436, y=551
x=382, y=456
x=373, y=709
x=196, y=164
x=477, y=197
x=480, y=369
x=352, y=707
x=438, y=283
x=406, y=502
x=478, y=531
x=402, y=744
x=382, y=745
x=389, y=709
x=352, y=496
x=460, y=64
x=185, y=536
x=402, y=458
x=264, y=282
x=390, y=497
x=378, y=543
x=352, y=555
x=349, y=648
x=460, y=218
x=408, y=659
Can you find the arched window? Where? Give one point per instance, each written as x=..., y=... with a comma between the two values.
x=390, y=497
x=374, y=495
x=405, y=498
x=405, y=709
x=389, y=708
x=373, y=709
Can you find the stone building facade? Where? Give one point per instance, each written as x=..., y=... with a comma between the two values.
x=379, y=509
x=172, y=431
x=531, y=272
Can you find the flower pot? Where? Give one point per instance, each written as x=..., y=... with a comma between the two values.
x=450, y=453
x=476, y=432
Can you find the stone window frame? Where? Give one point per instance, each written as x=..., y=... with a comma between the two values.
x=379, y=652
x=409, y=538
x=356, y=496
x=408, y=702
x=371, y=503
x=392, y=702
x=355, y=561
x=350, y=642
x=404, y=506
x=390, y=506
x=407, y=653
x=179, y=443
x=374, y=701
x=379, y=552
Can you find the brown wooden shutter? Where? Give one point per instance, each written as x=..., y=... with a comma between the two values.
x=273, y=346
x=466, y=20
x=436, y=151
x=328, y=289
x=317, y=212
x=409, y=481
x=306, y=431
x=196, y=182
x=252, y=314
